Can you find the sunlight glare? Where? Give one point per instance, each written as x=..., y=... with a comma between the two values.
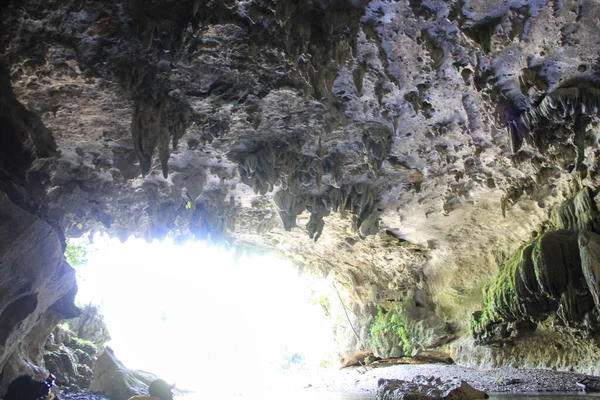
x=194, y=314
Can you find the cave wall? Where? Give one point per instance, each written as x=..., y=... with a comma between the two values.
x=37, y=285
x=406, y=149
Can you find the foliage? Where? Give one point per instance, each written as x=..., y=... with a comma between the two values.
x=324, y=303
x=386, y=324
x=84, y=342
x=75, y=253
x=64, y=326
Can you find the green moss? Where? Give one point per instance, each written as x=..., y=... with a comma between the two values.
x=501, y=299
x=83, y=342
x=385, y=326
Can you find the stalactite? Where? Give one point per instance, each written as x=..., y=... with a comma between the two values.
x=560, y=107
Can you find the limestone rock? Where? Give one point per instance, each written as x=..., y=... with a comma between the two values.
x=589, y=247
x=427, y=388
x=69, y=358
x=35, y=277
x=554, y=273
x=388, y=145
x=114, y=380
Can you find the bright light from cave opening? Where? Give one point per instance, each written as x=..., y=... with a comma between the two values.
x=195, y=315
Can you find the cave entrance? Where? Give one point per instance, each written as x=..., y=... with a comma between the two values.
x=203, y=317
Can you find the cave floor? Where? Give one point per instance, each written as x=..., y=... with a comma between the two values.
x=360, y=383
x=502, y=380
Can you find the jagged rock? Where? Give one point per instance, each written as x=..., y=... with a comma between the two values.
x=90, y=326
x=69, y=358
x=62, y=365
x=348, y=119
x=113, y=379
x=546, y=276
x=84, y=358
x=427, y=388
x=36, y=276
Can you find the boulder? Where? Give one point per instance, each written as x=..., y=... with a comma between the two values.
x=116, y=381
x=422, y=388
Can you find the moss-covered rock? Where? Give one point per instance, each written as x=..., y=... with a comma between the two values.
x=402, y=328
x=544, y=277
x=388, y=334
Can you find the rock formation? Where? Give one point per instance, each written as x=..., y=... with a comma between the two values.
x=72, y=349
x=411, y=150
x=422, y=388
x=116, y=381
x=90, y=326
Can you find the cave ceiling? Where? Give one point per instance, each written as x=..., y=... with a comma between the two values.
x=392, y=144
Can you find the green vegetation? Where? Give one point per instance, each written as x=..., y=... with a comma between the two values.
x=83, y=342
x=521, y=288
x=64, y=326
x=76, y=253
x=499, y=295
x=387, y=327
x=324, y=303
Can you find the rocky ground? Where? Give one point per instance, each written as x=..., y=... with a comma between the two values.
x=364, y=380
x=84, y=396
x=509, y=380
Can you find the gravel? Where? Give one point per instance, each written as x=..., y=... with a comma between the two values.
x=507, y=380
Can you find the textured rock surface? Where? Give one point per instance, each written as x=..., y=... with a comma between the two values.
x=405, y=148
x=37, y=286
x=70, y=358
x=90, y=326
x=35, y=279
x=113, y=379
x=422, y=387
